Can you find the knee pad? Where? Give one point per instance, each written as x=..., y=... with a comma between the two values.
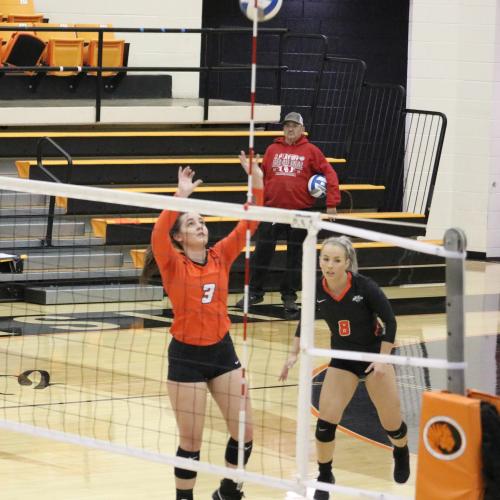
x=232, y=451
x=325, y=431
x=185, y=473
x=398, y=433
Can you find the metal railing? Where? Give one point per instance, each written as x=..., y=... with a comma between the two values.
x=99, y=69
x=47, y=241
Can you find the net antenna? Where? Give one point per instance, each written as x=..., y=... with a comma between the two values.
x=251, y=156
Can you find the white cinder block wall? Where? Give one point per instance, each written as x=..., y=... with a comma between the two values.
x=453, y=68
x=493, y=237
x=145, y=49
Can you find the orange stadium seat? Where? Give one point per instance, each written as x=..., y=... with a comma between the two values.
x=17, y=6
x=94, y=35
x=64, y=52
x=113, y=50
x=63, y=48
x=23, y=49
x=21, y=7
x=112, y=55
x=59, y=35
x=25, y=18
x=6, y=35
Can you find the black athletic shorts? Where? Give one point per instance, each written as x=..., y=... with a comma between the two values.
x=193, y=363
x=356, y=367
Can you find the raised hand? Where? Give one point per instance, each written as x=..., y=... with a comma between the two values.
x=257, y=175
x=185, y=184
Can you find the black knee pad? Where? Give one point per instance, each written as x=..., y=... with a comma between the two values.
x=232, y=451
x=398, y=433
x=185, y=473
x=325, y=431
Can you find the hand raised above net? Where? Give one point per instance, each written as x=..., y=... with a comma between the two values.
x=185, y=184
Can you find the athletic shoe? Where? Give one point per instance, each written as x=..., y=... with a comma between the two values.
x=252, y=300
x=217, y=495
x=320, y=494
x=290, y=305
x=401, y=464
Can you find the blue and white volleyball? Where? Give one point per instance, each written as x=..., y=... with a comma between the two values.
x=317, y=186
x=266, y=9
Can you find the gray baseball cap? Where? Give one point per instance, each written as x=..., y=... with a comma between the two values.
x=294, y=117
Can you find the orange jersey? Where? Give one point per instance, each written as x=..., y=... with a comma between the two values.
x=198, y=292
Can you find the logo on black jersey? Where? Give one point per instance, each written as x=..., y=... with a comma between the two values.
x=357, y=298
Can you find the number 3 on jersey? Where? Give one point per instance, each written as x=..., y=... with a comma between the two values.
x=208, y=293
x=344, y=327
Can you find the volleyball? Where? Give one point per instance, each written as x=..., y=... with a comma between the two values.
x=266, y=9
x=317, y=186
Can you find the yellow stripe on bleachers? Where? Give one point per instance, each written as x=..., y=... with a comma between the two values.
x=62, y=202
x=237, y=189
x=99, y=224
x=24, y=165
x=176, y=133
x=378, y=215
x=137, y=254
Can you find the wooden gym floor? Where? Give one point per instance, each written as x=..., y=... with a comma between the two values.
x=107, y=367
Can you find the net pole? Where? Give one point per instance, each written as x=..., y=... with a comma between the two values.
x=306, y=342
x=251, y=155
x=455, y=240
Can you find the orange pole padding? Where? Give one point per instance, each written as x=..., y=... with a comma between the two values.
x=484, y=396
x=449, y=451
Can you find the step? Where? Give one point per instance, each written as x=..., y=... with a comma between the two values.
x=384, y=276
x=412, y=224
x=370, y=255
x=137, y=230
x=55, y=259
x=187, y=141
x=360, y=196
x=19, y=229
x=29, y=211
x=92, y=294
x=72, y=274
x=11, y=199
x=143, y=171
x=9, y=244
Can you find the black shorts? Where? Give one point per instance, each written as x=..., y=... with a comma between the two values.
x=356, y=367
x=193, y=363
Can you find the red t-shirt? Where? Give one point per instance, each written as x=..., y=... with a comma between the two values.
x=198, y=292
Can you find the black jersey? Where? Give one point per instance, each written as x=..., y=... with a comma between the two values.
x=353, y=316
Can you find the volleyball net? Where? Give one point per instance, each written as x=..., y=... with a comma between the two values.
x=83, y=344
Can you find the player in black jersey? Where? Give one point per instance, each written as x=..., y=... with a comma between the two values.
x=360, y=318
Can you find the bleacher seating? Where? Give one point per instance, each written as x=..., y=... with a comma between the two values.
x=61, y=48
x=17, y=7
x=127, y=230
x=23, y=49
x=25, y=18
x=113, y=50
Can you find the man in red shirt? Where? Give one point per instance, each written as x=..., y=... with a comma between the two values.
x=288, y=164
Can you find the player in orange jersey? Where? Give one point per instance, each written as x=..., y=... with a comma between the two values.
x=201, y=355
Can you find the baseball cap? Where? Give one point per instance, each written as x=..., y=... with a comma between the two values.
x=294, y=117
